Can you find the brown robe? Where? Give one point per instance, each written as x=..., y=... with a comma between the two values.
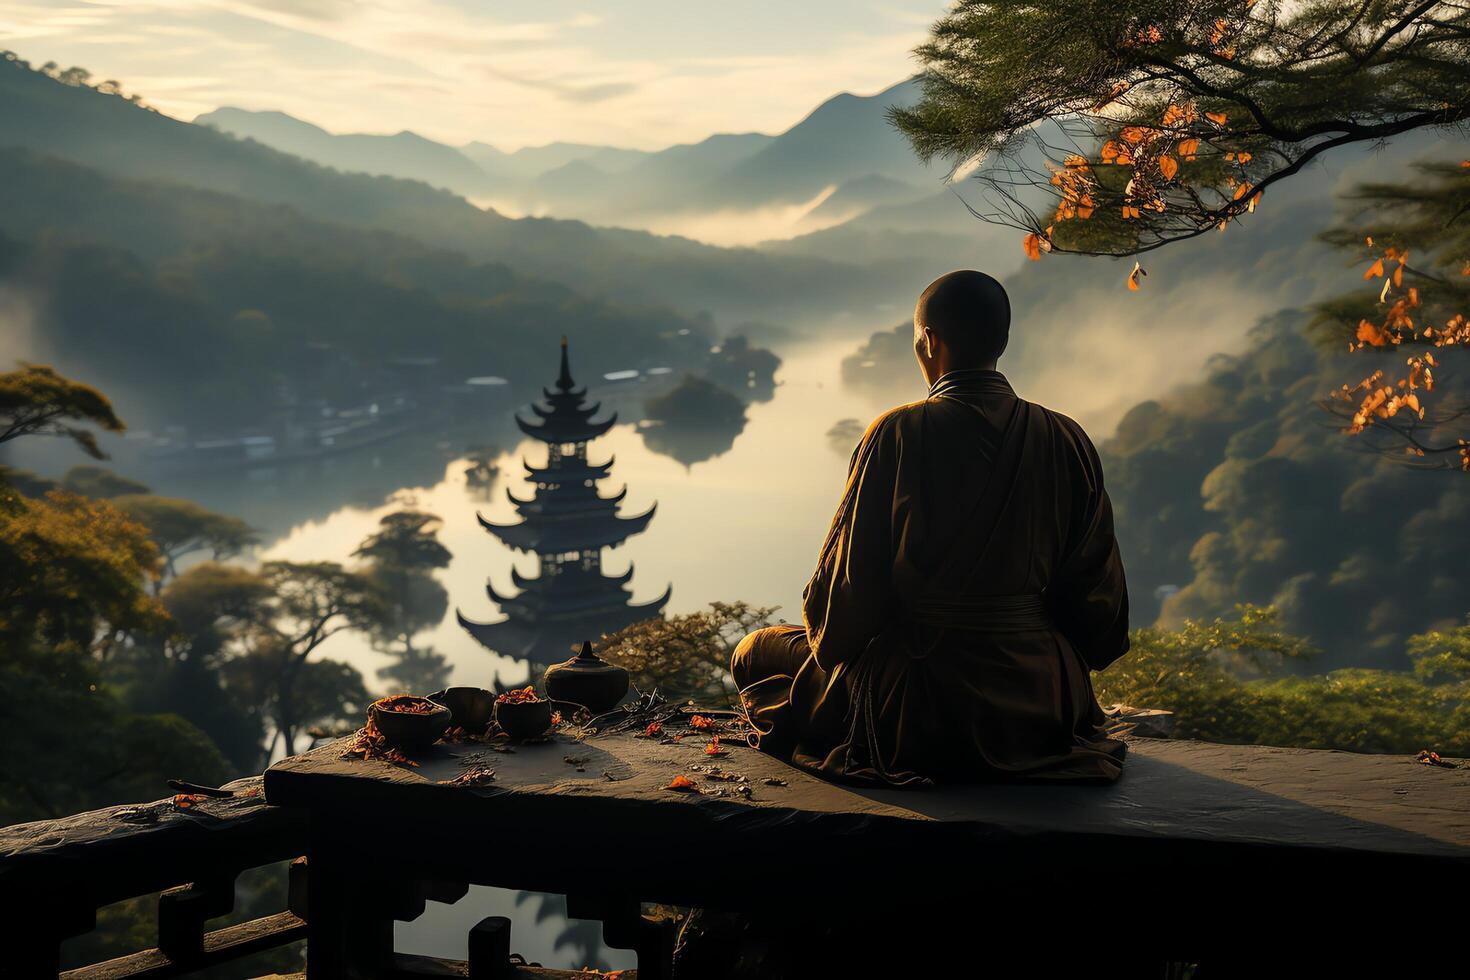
x=969, y=581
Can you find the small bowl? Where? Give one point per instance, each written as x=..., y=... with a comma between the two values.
x=523, y=719
x=410, y=729
x=470, y=706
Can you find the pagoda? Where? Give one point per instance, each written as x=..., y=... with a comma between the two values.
x=566, y=523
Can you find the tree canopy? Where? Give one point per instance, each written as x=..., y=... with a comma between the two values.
x=180, y=527
x=36, y=400
x=1118, y=126
x=1414, y=312
x=401, y=558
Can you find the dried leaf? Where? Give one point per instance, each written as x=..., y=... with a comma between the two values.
x=1133, y=276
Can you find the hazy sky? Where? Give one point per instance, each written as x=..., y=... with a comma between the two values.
x=642, y=73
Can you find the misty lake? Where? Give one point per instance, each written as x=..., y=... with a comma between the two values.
x=743, y=524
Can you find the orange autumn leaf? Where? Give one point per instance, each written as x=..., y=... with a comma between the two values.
x=682, y=784
x=1138, y=270
x=1031, y=244
x=1370, y=333
x=1133, y=135
x=1218, y=118
x=1189, y=148
x=1115, y=152
x=1374, y=270
x=1242, y=190
x=1168, y=166
x=701, y=723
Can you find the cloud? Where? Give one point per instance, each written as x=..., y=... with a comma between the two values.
x=569, y=91
x=310, y=9
x=515, y=73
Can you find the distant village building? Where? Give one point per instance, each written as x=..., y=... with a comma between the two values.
x=566, y=523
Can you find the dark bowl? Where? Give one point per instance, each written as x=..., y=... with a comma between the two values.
x=523, y=719
x=470, y=706
x=409, y=730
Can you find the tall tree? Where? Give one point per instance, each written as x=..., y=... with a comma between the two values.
x=401, y=557
x=74, y=584
x=310, y=603
x=181, y=527
x=36, y=400
x=1118, y=127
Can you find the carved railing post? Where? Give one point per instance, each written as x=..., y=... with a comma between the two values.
x=183, y=911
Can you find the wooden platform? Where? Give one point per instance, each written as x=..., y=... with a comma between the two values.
x=1172, y=792
x=1200, y=834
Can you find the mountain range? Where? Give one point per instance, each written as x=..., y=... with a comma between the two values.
x=841, y=160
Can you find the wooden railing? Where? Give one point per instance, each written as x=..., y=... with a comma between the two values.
x=56, y=874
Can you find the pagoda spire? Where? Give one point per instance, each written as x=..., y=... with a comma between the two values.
x=564, y=380
x=565, y=523
x=566, y=418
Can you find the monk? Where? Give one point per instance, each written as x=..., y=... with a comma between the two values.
x=969, y=582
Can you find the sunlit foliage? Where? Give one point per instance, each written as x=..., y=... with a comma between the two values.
x=1115, y=128
x=1413, y=312
x=36, y=400
x=1228, y=680
x=686, y=656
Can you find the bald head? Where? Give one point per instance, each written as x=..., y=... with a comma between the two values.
x=970, y=315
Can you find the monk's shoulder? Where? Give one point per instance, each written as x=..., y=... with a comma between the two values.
x=1073, y=440
x=894, y=421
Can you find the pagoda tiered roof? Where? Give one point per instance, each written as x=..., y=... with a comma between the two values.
x=567, y=419
x=583, y=530
x=569, y=471
x=553, y=635
x=566, y=522
x=565, y=503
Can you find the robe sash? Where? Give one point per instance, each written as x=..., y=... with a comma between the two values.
x=983, y=613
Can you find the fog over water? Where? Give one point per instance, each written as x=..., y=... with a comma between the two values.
x=743, y=525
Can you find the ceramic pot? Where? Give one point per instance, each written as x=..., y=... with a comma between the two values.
x=523, y=719
x=410, y=730
x=470, y=706
x=588, y=680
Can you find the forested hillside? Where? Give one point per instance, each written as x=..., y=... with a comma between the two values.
x=106, y=131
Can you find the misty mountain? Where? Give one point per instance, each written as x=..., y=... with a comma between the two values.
x=123, y=139
x=856, y=197
x=194, y=305
x=845, y=143
x=676, y=178
x=846, y=137
x=403, y=154
x=530, y=162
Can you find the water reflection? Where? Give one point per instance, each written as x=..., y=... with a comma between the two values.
x=698, y=420
x=744, y=524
